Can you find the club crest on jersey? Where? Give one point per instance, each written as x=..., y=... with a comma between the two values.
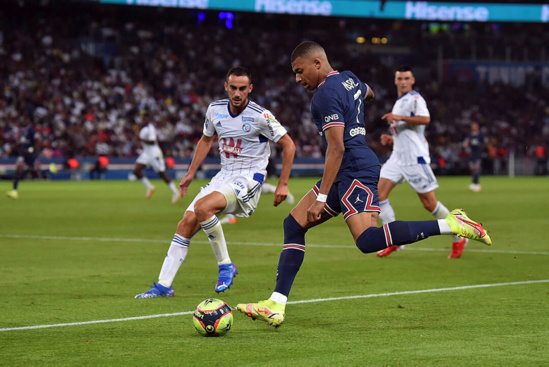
x=246, y=127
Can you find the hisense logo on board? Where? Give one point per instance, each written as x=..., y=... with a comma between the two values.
x=306, y=7
x=201, y=4
x=423, y=10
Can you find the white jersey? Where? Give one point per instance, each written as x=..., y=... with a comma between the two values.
x=410, y=145
x=148, y=133
x=152, y=154
x=243, y=139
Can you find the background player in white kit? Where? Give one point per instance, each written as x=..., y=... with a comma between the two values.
x=410, y=159
x=152, y=156
x=244, y=129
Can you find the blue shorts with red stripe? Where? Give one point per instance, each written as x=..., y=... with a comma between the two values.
x=350, y=196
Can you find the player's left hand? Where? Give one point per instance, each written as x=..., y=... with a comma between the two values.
x=314, y=213
x=281, y=193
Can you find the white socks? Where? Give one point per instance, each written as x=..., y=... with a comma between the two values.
x=442, y=212
x=171, y=185
x=387, y=214
x=214, y=231
x=279, y=298
x=175, y=257
x=145, y=181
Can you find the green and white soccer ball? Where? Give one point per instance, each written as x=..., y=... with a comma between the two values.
x=213, y=317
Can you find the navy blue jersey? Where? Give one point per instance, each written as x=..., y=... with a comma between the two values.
x=339, y=101
x=476, y=143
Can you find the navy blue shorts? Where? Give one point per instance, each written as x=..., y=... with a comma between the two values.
x=29, y=159
x=350, y=196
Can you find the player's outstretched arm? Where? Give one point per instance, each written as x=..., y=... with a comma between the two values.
x=288, y=155
x=202, y=149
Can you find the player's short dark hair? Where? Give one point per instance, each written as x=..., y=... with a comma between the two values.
x=304, y=48
x=404, y=68
x=239, y=71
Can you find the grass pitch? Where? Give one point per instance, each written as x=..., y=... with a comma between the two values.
x=74, y=254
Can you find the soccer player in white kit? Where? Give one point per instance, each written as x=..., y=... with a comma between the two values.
x=152, y=156
x=243, y=129
x=410, y=158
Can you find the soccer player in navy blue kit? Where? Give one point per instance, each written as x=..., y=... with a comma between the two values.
x=349, y=182
x=475, y=143
x=29, y=150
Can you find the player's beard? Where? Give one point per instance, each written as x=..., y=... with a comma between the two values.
x=239, y=105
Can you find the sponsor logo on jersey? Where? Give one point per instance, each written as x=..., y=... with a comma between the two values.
x=230, y=147
x=349, y=84
x=332, y=117
x=221, y=115
x=248, y=119
x=268, y=116
x=357, y=131
x=246, y=127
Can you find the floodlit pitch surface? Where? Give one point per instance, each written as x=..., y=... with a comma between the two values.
x=74, y=255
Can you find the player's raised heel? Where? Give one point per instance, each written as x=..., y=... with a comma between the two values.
x=457, y=248
x=388, y=250
x=269, y=311
x=150, y=192
x=227, y=273
x=463, y=226
x=157, y=290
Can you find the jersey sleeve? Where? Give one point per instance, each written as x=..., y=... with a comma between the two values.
x=209, y=128
x=270, y=127
x=327, y=108
x=419, y=107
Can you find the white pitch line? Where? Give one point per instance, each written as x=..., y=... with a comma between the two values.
x=268, y=244
x=292, y=302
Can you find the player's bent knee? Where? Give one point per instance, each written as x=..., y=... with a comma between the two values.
x=293, y=231
x=371, y=240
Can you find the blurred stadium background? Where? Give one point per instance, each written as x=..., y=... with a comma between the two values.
x=83, y=69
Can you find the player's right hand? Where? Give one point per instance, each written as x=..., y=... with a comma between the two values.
x=184, y=184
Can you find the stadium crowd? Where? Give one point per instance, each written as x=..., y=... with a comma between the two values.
x=84, y=72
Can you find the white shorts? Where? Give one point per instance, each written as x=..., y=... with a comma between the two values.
x=155, y=161
x=241, y=192
x=420, y=176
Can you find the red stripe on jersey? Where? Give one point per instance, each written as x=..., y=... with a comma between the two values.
x=332, y=124
x=329, y=74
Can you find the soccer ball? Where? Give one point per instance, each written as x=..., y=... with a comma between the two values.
x=213, y=317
